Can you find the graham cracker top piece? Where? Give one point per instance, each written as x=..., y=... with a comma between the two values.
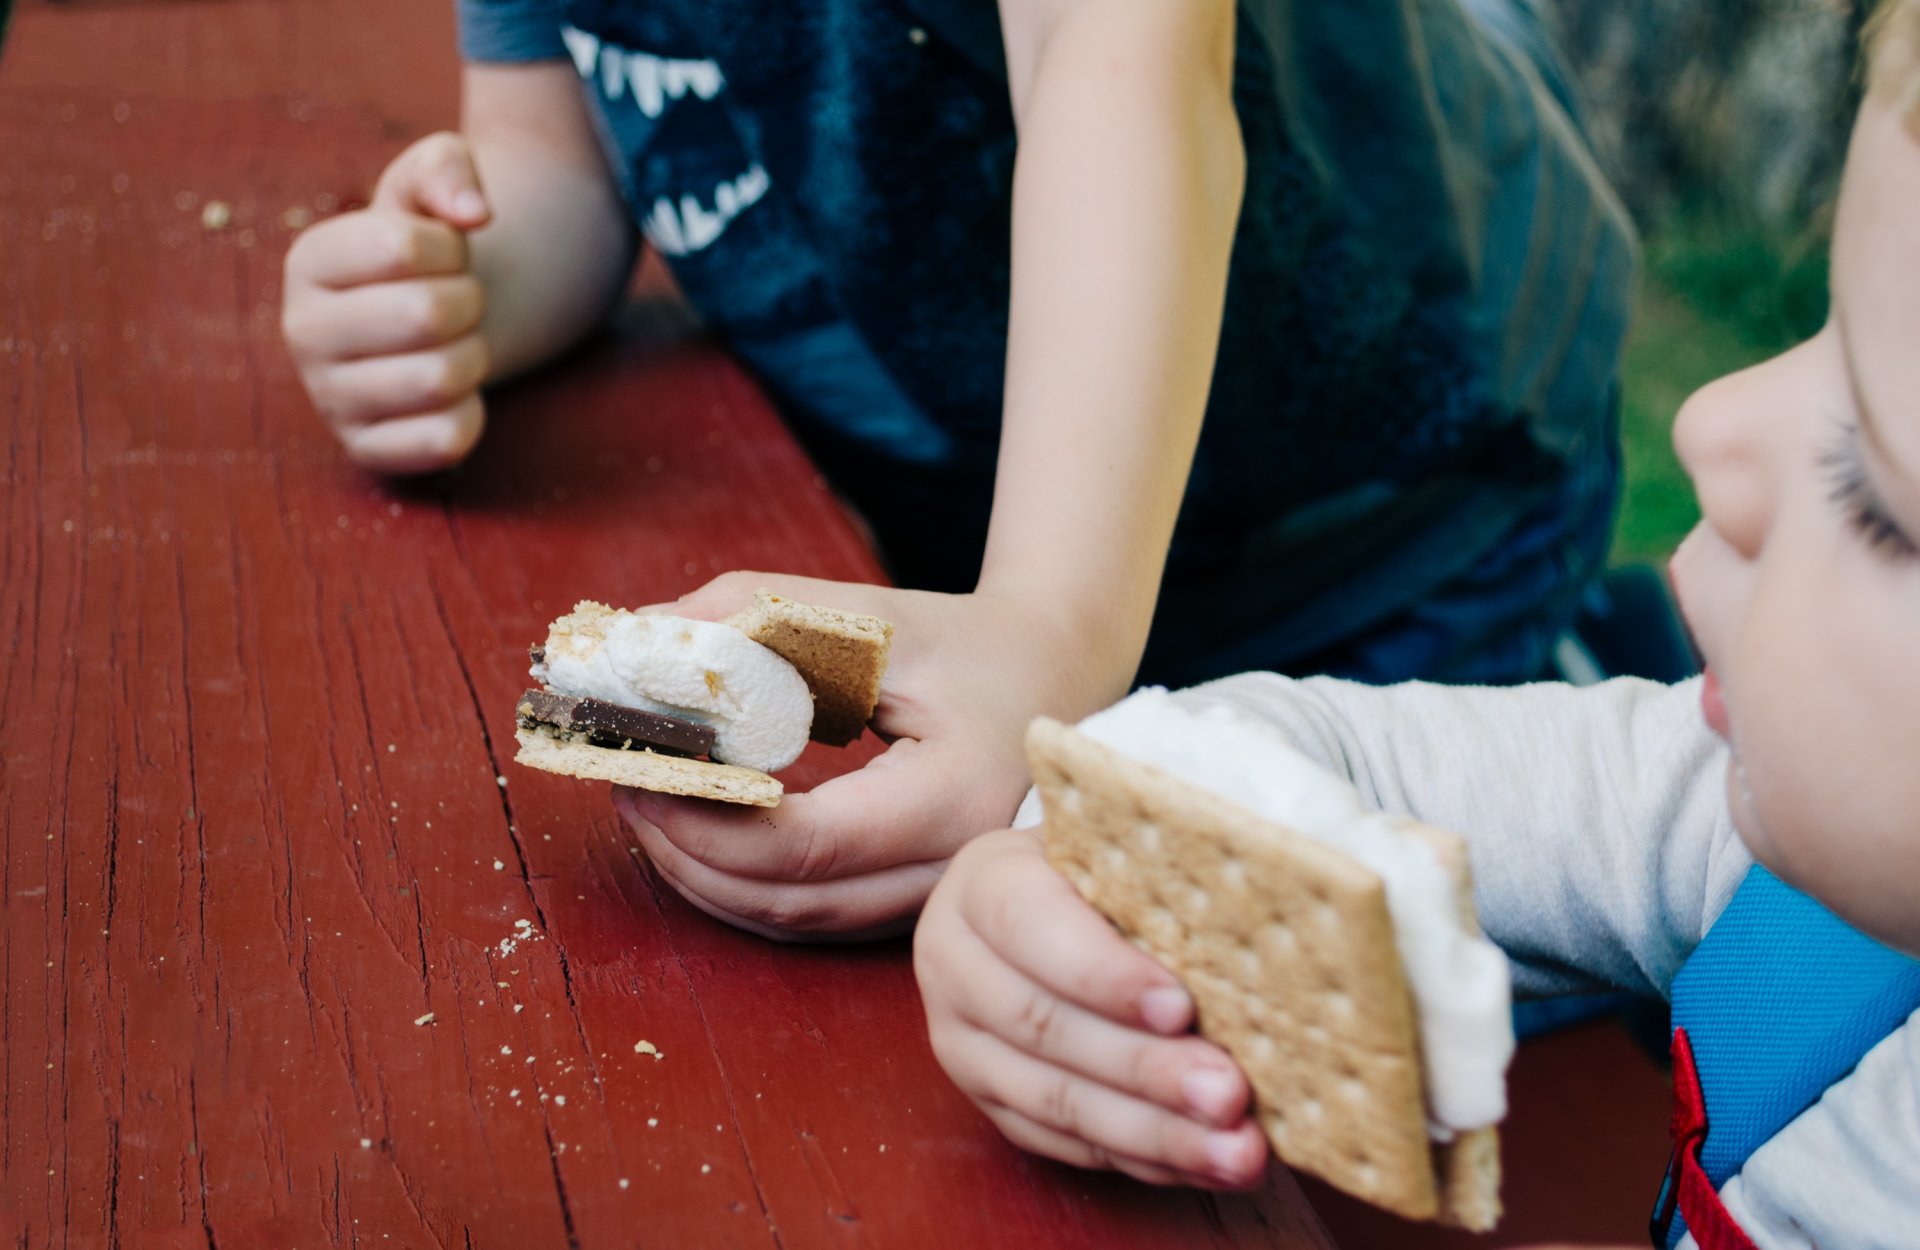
x=1288, y=949
x=841, y=655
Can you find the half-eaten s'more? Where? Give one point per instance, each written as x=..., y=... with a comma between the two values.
x=1331, y=950
x=702, y=708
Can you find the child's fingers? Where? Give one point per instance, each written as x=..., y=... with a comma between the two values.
x=977, y=985
x=866, y=902
x=859, y=822
x=1035, y=921
x=1185, y=1075
x=383, y=318
x=435, y=177
x=417, y=444
x=376, y=245
x=354, y=392
x=1109, y=1120
x=885, y=929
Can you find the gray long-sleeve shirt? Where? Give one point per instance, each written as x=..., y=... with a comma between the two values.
x=1602, y=852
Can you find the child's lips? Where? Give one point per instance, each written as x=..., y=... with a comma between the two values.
x=1714, y=706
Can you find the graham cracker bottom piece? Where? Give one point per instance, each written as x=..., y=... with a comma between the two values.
x=646, y=770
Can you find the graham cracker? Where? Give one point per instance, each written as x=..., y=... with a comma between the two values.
x=646, y=770
x=842, y=656
x=1288, y=949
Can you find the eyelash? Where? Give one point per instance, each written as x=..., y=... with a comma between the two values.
x=1864, y=511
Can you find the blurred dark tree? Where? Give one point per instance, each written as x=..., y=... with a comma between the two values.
x=1736, y=107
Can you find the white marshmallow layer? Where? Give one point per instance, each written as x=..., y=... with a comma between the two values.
x=757, y=703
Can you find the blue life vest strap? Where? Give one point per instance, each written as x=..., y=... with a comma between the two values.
x=1779, y=1001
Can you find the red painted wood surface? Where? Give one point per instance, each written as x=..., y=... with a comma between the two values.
x=257, y=814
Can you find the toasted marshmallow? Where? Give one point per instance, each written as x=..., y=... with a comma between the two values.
x=757, y=703
x=1460, y=980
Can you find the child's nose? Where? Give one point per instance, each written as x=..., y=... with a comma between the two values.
x=1720, y=437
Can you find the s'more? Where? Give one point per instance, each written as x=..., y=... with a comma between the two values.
x=1331, y=950
x=707, y=709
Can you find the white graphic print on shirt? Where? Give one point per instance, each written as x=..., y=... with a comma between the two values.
x=652, y=84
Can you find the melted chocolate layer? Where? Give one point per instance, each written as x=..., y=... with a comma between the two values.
x=610, y=725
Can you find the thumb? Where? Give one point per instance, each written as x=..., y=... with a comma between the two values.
x=436, y=177
x=731, y=592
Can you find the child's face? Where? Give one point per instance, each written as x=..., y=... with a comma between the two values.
x=1802, y=581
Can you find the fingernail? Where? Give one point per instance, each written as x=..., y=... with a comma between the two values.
x=1226, y=1155
x=1211, y=1093
x=645, y=808
x=470, y=204
x=1166, y=1009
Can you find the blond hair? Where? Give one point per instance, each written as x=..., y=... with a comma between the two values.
x=1892, y=38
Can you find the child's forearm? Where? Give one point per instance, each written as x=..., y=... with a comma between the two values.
x=1126, y=196
x=560, y=247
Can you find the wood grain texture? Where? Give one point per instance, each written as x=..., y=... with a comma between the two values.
x=257, y=819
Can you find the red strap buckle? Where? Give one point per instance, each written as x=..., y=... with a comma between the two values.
x=1687, y=1187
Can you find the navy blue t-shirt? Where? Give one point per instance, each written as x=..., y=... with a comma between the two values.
x=1411, y=415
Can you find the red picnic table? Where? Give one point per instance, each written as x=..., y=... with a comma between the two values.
x=291, y=953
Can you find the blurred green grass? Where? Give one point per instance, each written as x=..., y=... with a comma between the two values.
x=1715, y=297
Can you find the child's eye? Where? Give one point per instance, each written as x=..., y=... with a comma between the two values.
x=1855, y=495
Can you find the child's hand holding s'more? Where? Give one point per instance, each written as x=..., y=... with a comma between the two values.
x=857, y=855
